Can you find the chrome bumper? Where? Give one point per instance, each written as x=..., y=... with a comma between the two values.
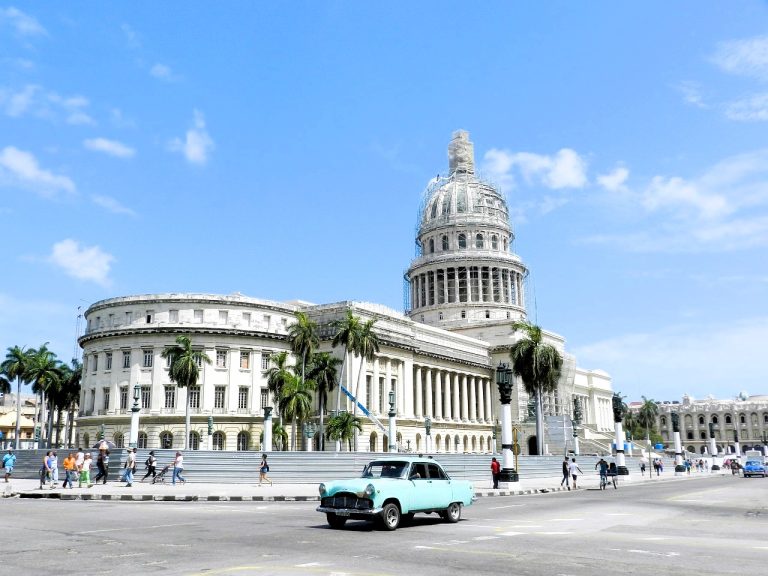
x=350, y=511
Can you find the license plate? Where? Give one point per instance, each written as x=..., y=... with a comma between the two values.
x=342, y=513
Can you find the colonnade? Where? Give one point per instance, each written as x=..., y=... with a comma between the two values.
x=446, y=395
x=467, y=284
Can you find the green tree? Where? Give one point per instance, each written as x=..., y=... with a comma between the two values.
x=296, y=403
x=647, y=414
x=279, y=438
x=277, y=375
x=342, y=428
x=71, y=397
x=322, y=369
x=185, y=371
x=15, y=365
x=538, y=365
x=66, y=396
x=367, y=348
x=302, y=335
x=5, y=385
x=44, y=373
x=347, y=334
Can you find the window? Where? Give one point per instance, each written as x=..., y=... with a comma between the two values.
x=463, y=314
x=462, y=241
x=218, y=440
x=223, y=316
x=150, y=316
x=170, y=397
x=142, y=440
x=487, y=314
x=264, y=399
x=245, y=359
x=267, y=321
x=199, y=359
x=194, y=396
x=505, y=244
x=728, y=419
x=242, y=398
x=85, y=363
x=663, y=421
x=701, y=420
x=495, y=242
x=198, y=316
x=714, y=420
x=445, y=242
x=106, y=399
x=221, y=358
x=247, y=318
x=126, y=359
x=265, y=360
x=108, y=358
x=147, y=358
x=146, y=397
x=439, y=315
x=119, y=440
x=111, y=320
x=173, y=316
x=169, y=361
x=219, y=395
x=431, y=245
x=194, y=440
x=95, y=366
x=128, y=317
x=479, y=241
x=166, y=440
x=123, y=397
x=243, y=441
x=742, y=419
x=689, y=435
x=98, y=322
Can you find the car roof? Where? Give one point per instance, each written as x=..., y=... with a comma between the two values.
x=404, y=458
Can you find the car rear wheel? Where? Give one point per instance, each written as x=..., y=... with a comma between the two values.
x=335, y=521
x=452, y=513
x=390, y=517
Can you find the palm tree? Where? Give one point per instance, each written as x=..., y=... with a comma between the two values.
x=303, y=337
x=538, y=365
x=342, y=427
x=279, y=437
x=67, y=394
x=296, y=402
x=646, y=416
x=72, y=396
x=15, y=366
x=322, y=369
x=347, y=334
x=5, y=385
x=277, y=375
x=367, y=348
x=185, y=371
x=44, y=374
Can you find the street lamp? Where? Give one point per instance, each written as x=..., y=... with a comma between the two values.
x=508, y=447
x=267, y=429
x=310, y=428
x=133, y=435
x=495, y=428
x=392, y=423
x=428, y=430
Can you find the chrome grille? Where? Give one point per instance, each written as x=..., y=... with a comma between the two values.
x=346, y=500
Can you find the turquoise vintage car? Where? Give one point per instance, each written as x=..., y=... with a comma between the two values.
x=394, y=489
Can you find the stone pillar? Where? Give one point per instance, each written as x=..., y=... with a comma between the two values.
x=428, y=407
x=447, y=415
x=375, y=394
x=678, y=452
x=464, y=399
x=408, y=388
x=439, y=394
x=472, y=399
x=267, y=447
x=419, y=393
x=456, y=284
x=621, y=463
x=481, y=400
x=488, y=403
x=456, y=398
x=480, y=287
x=400, y=389
x=384, y=392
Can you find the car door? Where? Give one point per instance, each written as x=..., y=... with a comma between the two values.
x=422, y=496
x=440, y=486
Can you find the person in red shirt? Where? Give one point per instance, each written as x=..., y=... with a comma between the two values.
x=495, y=472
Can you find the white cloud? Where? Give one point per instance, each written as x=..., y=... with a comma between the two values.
x=73, y=108
x=614, y=181
x=110, y=147
x=83, y=262
x=16, y=104
x=746, y=57
x=112, y=204
x=680, y=195
x=692, y=94
x=21, y=168
x=162, y=72
x=131, y=36
x=197, y=143
x=751, y=109
x=22, y=23
x=566, y=169
x=36, y=101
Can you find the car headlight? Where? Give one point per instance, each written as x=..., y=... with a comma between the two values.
x=370, y=490
x=321, y=488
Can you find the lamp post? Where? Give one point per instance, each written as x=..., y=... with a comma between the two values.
x=310, y=428
x=428, y=430
x=713, y=447
x=576, y=420
x=508, y=447
x=133, y=435
x=267, y=429
x=392, y=424
x=495, y=427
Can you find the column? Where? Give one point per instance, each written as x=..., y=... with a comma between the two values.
x=428, y=399
x=481, y=400
x=447, y=396
x=387, y=383
x=375, y=395
x=406, y=369
x=480, y=287
x=419, y=412
x=430, y=287
x=488, y=403
x=439, y=394
x=456, y=398
x=400, y=389
x=464, y=400
x=445, y=285
x=456, y=283
x=472, y=399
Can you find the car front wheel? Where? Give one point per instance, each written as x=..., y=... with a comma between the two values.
x=390, y=516
x=335, y=521
x=452, y=513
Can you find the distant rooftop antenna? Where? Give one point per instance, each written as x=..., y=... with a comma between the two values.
x=76, y=350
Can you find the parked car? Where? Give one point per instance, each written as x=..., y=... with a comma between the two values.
x=393, y=489
x=754, y=468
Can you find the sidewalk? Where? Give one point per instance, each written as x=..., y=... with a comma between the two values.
x=203, y=492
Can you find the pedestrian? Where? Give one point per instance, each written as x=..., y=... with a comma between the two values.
x=150, y=464
x=661, y=467
x=45, y=470
x=495, y=472
x=9, y=461
x=53, y=464
x=85, y=471
x=566, y=474
x=129, y=467
x=263, y=469
x=69, y=469
x=573, y=468
x=178, y=467
x=102, y=463
x=79, y=457
x=642, y=467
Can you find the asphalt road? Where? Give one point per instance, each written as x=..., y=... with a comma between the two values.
x=715, y=525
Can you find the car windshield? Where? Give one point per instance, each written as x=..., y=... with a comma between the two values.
x=754, y=463
x=385, y=469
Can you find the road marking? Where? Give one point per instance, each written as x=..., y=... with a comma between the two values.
x=133, y=528
x=566, y=519
x=650, y=553
x=485, y=538
x=512, y=533
x=650, y=538
x=509, y=506
x=554, y=533
x=452, y=543
x=525, y=526
x=131, y=555
x=619, y=514
x=307, y=565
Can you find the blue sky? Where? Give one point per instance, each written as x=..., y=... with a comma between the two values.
x=281, y=150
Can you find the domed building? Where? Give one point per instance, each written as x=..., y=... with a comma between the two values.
x=466, y=287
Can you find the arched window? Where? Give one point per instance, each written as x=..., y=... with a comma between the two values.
x=447, y=204
x=445, y=242
x=495, y=242
x=689, y=435
x=86, y=440
x=714, y=420
x=431, y=245
x=166, y=440
x=742, y=419
x=243, y=440
x=765, y=418
x=194, y=440
x=461, y=201
x=663, y=421
x=479, y=241
x=434, y=209
x=505, y=244
x=462, y=241
x=703, y=435
x=482, y=444
x=218, y=440
x=438, y=440
x=372, y=442
x=119, y=440
x=728, y=419
x=701, y=420
x=142, y=441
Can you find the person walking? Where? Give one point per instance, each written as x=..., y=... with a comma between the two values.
x=178, y=468
x=129, y=467
x=45, y=470
x=69, y=470
x=150, y=464
x=102, y=463
x=566, y=474
x=573, y=468
x=53, y=464
x=85, y=471
x=642, y=467
x=9, y=461
x=603, y=466
x=495, y=472
x=263, y=469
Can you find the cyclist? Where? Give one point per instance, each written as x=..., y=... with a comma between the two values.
x=603, y=465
